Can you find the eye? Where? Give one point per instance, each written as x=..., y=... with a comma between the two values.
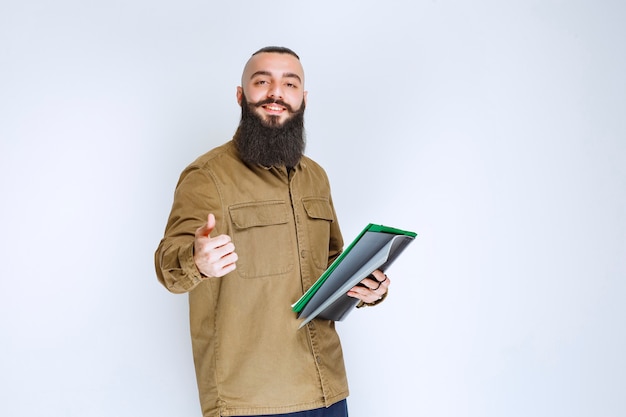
x=260, y=82
x=291, y=85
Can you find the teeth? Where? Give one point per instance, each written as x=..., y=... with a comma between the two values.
x=274, y=108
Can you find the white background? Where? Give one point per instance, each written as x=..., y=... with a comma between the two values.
x=494, y=129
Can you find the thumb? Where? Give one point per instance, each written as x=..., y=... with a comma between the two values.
x=207, y=228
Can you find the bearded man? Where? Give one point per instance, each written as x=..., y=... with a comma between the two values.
x=258, y=193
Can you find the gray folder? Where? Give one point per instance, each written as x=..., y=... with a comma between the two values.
x=376, y=247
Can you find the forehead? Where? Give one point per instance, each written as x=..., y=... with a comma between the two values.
x=276, y=64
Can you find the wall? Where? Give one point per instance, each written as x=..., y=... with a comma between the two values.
x=493, y=129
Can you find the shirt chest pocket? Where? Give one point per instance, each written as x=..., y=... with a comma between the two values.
x=320, y=215
x=262, y=237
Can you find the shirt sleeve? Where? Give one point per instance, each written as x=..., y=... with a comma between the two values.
x=195, y=197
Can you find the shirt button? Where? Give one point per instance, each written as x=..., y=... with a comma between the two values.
x=303, y=254
x=318, y=359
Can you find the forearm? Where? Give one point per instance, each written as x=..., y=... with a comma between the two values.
x=174, y=264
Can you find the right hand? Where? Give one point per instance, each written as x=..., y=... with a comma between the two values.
x=214, y=256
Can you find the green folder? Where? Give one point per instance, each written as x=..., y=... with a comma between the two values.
x=376, y=247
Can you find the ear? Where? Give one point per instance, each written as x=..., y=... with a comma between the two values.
x=239, y=95
x=304, y=97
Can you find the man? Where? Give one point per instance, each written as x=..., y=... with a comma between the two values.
x=251, y=228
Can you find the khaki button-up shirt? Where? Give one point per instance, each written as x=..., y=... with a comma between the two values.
x=249, y=355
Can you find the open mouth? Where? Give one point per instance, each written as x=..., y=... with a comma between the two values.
x=273, y=108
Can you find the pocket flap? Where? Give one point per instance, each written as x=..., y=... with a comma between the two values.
x=264, y=213
x=318, y=208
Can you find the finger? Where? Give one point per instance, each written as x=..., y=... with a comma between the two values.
x=218, y=242
x=384, y=284
x=372, y=283
x=210, y=222
x=379, y=275
x=218, y=267
x=213, y=249
x=383, y=287
x=371, y=288
x=364, y=294
x=227, y=263
x=379, y=289
x=227, y=269
x=206, y=229
x=220, y=247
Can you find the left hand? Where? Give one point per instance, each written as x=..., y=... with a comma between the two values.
x=371, y=289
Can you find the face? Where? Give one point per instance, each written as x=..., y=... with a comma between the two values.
x=273, y=84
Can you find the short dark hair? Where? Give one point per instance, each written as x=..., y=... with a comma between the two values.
x=277, y=50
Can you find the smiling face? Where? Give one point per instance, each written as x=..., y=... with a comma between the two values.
x=273, y=85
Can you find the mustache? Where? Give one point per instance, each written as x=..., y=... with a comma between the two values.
x=272, y=101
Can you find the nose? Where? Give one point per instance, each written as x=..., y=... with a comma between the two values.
x=275, y=92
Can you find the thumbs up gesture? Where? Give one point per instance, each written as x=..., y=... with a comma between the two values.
x=214, y=256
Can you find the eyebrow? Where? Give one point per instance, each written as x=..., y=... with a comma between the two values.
x=285, y=75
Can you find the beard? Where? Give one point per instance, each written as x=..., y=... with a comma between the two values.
x=269, y=143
